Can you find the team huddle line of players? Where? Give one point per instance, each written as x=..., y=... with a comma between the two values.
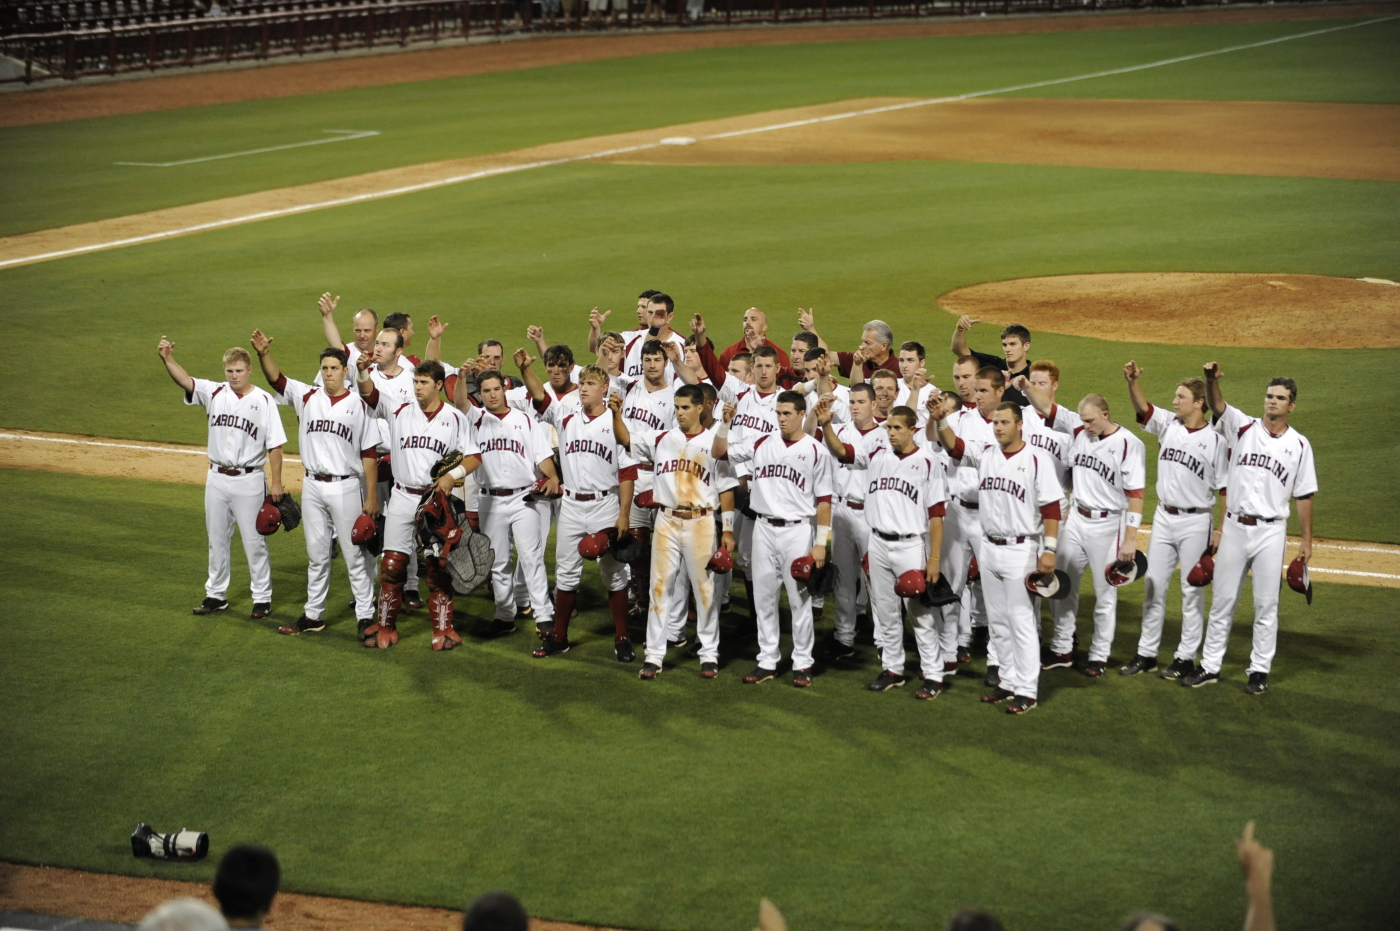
x=676, y=467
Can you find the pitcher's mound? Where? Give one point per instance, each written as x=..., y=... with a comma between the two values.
x=1283, y=311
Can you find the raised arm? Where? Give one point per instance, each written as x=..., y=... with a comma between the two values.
x=362, y=379
x=527, y=374
x=720, y=448
x=327, y=306
x=166, y=349
x=938, y=427
x=1257, y=864
x=713, y=370
x=959, y=344
x=1214, y=396
x=595, y=328
x=433, y=351
x=1040, y=400
x=1131, y=373
x=262, y=345
x=807, y=320
x=673, y=355
x=829, y=437
x=535, y=334
x=624, y=436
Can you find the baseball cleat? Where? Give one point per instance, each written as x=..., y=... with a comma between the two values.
x=1138, y=664
x=709, y=670
x=678, y=643
x=411, y=601
x=1179, y=669
x=1052, y=660
x=1095, y=668
x=549, y=647
x=1020, y=705
x=499, y=628
x=692, y=651
x=361, y=626
x=759, y=674
x=964, y=654
x=210, y=605
x=836, y=650
x=261, y=610
x=1199, y=678
x=1258, y=683
x=993, y=677
x=544, y=631
x=624, y=651
x=888, y=679
x=521, y=614
x=929, y=690
x=649, y=671
x=304, y=625
x=801, y=678
x=950, y=667
x=998, y=695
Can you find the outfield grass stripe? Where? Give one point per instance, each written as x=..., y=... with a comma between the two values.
x=18, y=254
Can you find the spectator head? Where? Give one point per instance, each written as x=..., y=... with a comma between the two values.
x=755, y=323
x=496, y=911
x=876, y=338
x=490, y=354
x=245, y=884
x=802, y=341
x=973, y=919
x=184, y=915
x=364, y=325
x=1147, y=921
x=403, y=323
x=1015, y=343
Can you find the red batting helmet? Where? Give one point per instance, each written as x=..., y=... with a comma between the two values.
x=269, y=518
x=1298, y=579
x=364, y=530
x=1203, y=572
x=1124, y=573
x=596, y=544
x=802, y=568
x=973, y=571
x=646, y=500
x=538, y=490
x=910, y=584
x=722, y=561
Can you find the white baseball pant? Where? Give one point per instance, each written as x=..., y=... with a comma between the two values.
x=1261, y=548
x=577, y=519
x=399, y=531
x=676, y=542
x=888, y=560
x=331, y=508
x=962, y=540
x=543, y=509
x=506, y=520
x=850, y=540
x=1009, y=615
x=234, y=501
x=1176, y=538
x=1090, y=542
x=640, y=518
x=774, y=549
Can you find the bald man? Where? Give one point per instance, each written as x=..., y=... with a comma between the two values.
x=755, y=335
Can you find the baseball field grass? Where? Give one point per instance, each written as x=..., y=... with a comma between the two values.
x=413, y=777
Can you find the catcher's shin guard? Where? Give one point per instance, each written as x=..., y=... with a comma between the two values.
x=563, y=609
x=617, y=601
x=440, y=604
x=393, y=572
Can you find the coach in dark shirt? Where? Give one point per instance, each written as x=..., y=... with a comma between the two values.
x=1015, y=361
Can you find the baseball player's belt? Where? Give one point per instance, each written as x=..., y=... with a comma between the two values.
x=224, y=470
x=894, y=536
x=1175, y=510
x=596, y=496
x=504, y=492
x=853, y=505
x=780, y=522
x=412, y=491
x=970, y=505
x=1088, y=513
x=1252, y=521
x=646, y=467
x=1007, y=541
x=322, y=477
x=687, y=513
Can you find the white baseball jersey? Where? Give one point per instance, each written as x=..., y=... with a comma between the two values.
x=352, y=355
x=241, y=430
x=1054, y=443
x=919, y=403
x=973, y=431
x=398, y=389
x=632, y=354
x=786, y=480
x=418, y=440
x=591, y=458
x=840, y=404
x=1061, y=418
x=511, y=446
x=1191, y=464
x=1103, y=470
x=686, y=474
x=649, y=411
x=1017, y=492
x=755, y=413
x=1265, y=470
x=850, y=483
x=902, y=491
x=335, y=433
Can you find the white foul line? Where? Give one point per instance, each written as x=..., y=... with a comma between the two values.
x=1368, y=575
x=547, y=163
x=153, y=448
x=341, y=135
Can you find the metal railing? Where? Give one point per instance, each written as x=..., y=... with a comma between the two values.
x=71, y=53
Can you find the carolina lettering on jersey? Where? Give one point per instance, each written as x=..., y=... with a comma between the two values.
x=236, y=422
x=590, y=446
x=1184, y=459
x=1047, y=442
x=503, y=444
x=1266, y=462
x=684, y=465
x=894, y=483
x=750, y=422
x=781, y=470
x=1104, y=469
x=423, y=442
x=998, y=483
x=644, y=416
x=332, y=427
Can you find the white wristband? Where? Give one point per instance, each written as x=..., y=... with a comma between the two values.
x=362, y=376
x=823, y=534
x=722, y=431
x=458, y=473
x=1050, y=544
x=726, y=521
x=943, y=423
x=1134, y=519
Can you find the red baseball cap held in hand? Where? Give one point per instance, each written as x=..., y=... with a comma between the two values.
x=269, y=518
x=1298, y=578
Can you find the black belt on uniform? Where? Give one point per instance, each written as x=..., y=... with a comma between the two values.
x=412, y=491
x=588, y=497
x=780, y=522
x=968, y=504
x=321, y=477
x=856, y=505
x=1252, y=521
x=646, y=466
x=687, y=513
x=223, y=471
x=1007, y=541
x=1088, y=513
x=504, y=492
x=1174, y=510
x=894, y=536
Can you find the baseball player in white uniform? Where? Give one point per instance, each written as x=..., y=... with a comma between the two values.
x=1192, y=465
x=512, y=445
x=421, y=432
x=791, y=481
x=337, y=438
x=1019, y=510
x=647, y=406
x=850, y=533
x=914, y=387
x=687, y=487
x=1270, y=462
x=660, y=309
x=597, y=483
x=1108, y=471
x=245, y=431
x=905, y=500
x=394, y=380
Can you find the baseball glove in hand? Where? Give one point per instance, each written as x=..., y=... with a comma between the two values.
x=446, y=464
x=291, y=513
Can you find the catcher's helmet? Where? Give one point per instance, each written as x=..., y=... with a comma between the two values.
x=596, y=544
x=823, y=579
x=1203, y=572
x=802, y=567
x=910, y=584
x=721, y=561
x=974, y=572
x=938, y=594
x=1052, y=585
x=1125, y=573
x=1298, y=578
x=269, y=518
x=627, y=548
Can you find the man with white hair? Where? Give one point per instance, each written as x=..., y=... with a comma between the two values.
x=874, y=353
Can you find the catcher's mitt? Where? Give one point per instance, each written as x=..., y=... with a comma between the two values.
x=291, y=513
x=446, y=464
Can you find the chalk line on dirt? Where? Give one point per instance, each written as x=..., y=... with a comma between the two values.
x=294, y=209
